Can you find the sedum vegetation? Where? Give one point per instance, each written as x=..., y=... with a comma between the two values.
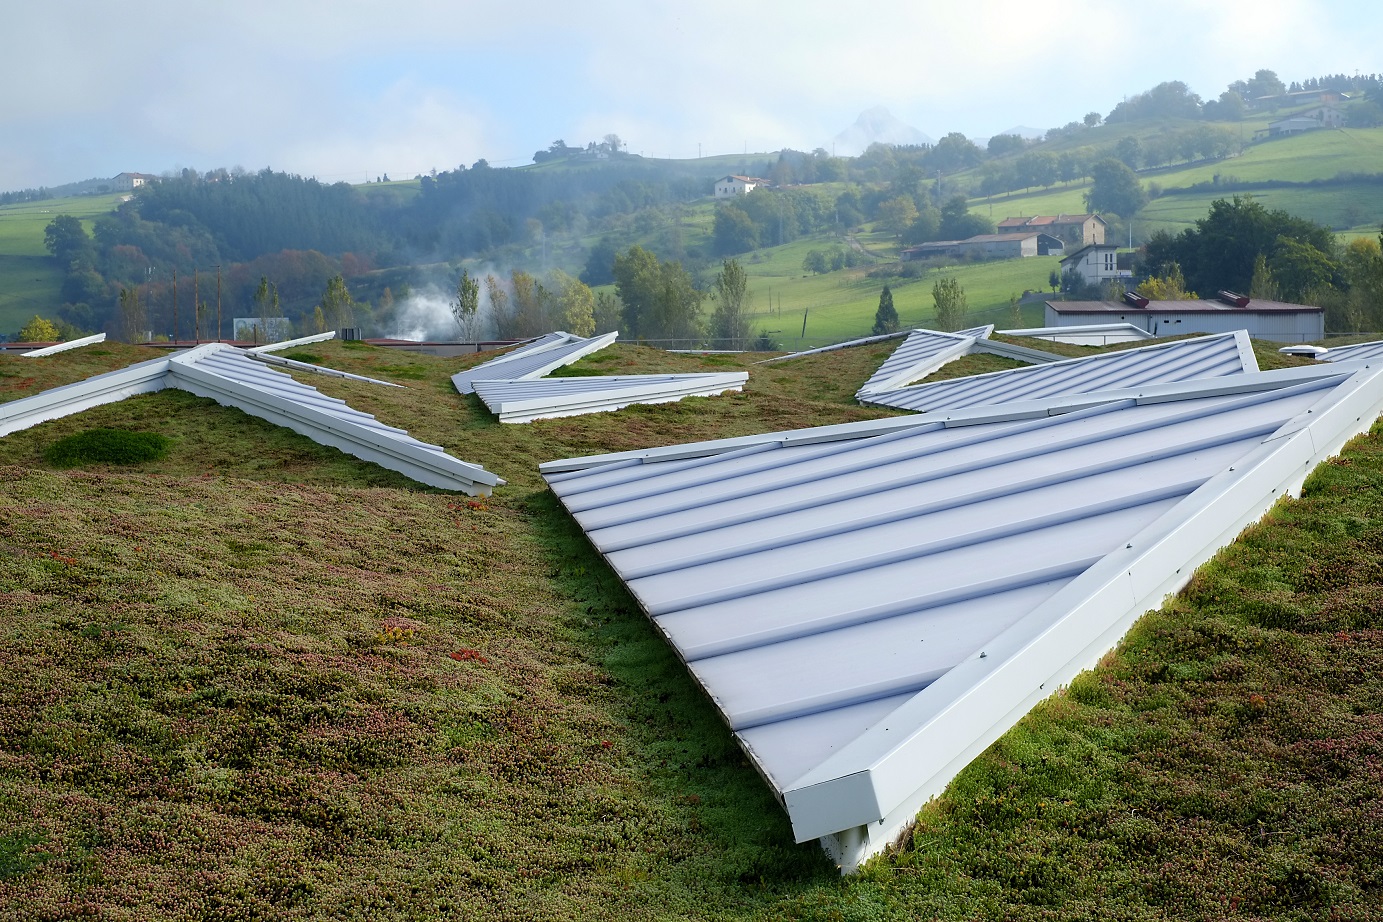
x=256, y=678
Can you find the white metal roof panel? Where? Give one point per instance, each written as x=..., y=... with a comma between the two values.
x=837, y=598
x=313, y=369
x=1093, y=334
x=923, y=352
x=63, y=347
x=1358, y=352
x=1182, y=360
x=533, y=360
x=290, y=343
x=232, y=377
x=863, y=341
x=524, y=400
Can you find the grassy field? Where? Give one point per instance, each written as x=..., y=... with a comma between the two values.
x=259, y=679
x=1299, y=158
x=29, y=281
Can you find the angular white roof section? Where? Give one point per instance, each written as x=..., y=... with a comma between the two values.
x=533, y=360
x=923, y=352
x=313, y=369
x=1181, y=360
x=232, y=378
x=883, y=337
x=63, y=347
x=1359, y=352
x=524, y=400
x=1090, y=334
x=869, y=606
x=290, y=343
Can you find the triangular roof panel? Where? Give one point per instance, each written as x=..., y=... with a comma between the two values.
x=869, y=613
x=534, y=359
x=1359, y=352
x=525, y=400
x=1182, y=360
x=233, y=378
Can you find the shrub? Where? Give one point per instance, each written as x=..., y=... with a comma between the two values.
x=106, y=446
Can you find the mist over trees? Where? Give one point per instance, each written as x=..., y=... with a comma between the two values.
x=581, y=207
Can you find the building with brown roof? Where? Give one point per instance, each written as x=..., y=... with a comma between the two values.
x=1079, y=229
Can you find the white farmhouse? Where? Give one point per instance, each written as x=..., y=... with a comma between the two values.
x=1098, y=263
x=731, y=186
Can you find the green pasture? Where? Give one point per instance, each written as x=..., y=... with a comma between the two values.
x=841, y=305
x=1358, y=207
x=1299, y=158
x=29, y=285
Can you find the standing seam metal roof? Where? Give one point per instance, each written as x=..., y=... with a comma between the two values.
x=834, y=598
x=1358, y=352
x=538, y=358
x=1205, y=357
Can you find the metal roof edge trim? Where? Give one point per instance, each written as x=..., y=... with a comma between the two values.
x=684, y=386
x=57, y=402
x=290, y=343
x=1246, y=354
x=1076, y=626
x=314, y=369
x=434, y=468
x=920, y=368
x=63, y=347
x=593, y=344
x=1010, y=351
x=1079, y=328
x=901, y=334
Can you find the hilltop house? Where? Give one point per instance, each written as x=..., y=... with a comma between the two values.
x=1277, y=321
x=1311, y=119
x=1098, y=263
x=990, y=246
x=128, y=182
x=732, y=185
x=1082, y=229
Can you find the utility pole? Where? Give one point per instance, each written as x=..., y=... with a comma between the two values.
x=175, y=306
x=197, y=304
x=218, y=304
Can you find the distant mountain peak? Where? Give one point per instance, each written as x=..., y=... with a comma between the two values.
x=877, y=125
x=1024, y=132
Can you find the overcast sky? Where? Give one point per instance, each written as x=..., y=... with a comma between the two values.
x=346, y=90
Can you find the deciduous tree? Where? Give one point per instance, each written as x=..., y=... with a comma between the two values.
x=465, y=307
x=1114, y=188
x=730, y=321
x=950, y=301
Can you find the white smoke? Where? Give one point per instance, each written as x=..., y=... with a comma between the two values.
x=426, y=316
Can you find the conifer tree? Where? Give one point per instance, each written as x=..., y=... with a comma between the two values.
x=885, y=318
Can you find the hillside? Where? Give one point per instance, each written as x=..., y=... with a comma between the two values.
x=258, y=678
x=413, y=234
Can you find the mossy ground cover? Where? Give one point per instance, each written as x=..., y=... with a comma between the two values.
x=259, y=679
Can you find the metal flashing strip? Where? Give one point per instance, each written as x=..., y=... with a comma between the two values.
x=55, y=403
x=884, y=337
x=1204, y=357
x=233, y=378
x=848, y=600
x=534, y=360
x=523, y=401
x=1104, y=332
x=313, y=369
x=290, y=343
x=63, y=347
x=1010, y=351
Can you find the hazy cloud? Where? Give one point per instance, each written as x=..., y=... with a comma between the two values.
x=352, y=89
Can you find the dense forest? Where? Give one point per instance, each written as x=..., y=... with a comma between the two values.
x=581, y=206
